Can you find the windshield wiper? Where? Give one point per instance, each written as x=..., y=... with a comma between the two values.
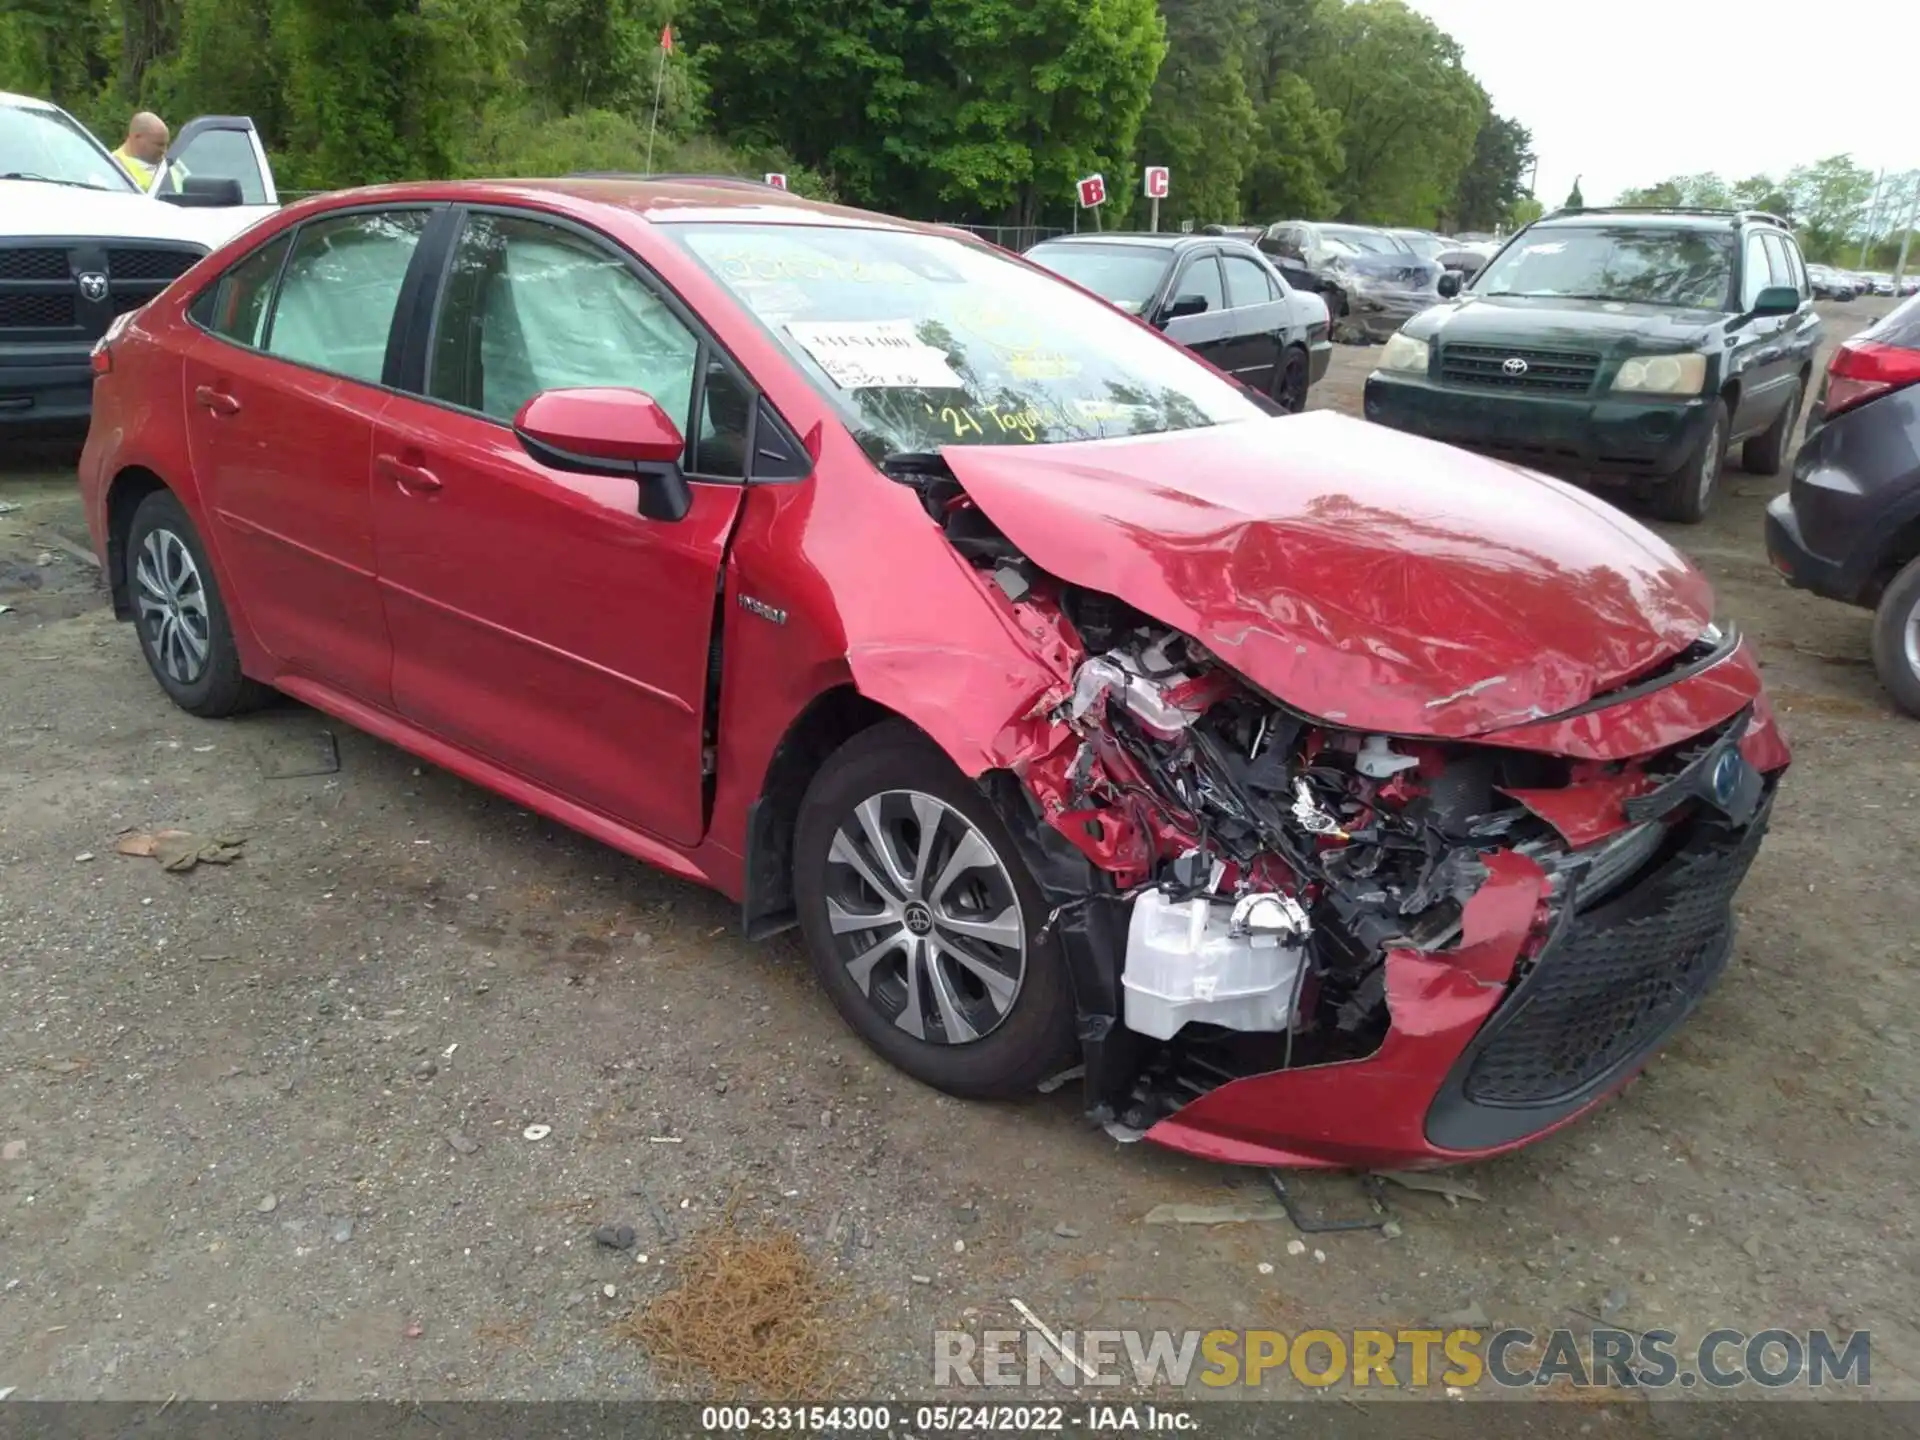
x=48, y=180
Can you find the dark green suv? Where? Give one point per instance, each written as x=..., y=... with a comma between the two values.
x=1629, y=345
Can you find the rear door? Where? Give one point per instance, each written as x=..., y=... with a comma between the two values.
x=538, y=618
x=1206, y=334
x=282, y=388
x=1258, y=318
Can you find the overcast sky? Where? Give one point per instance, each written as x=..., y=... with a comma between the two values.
x=1627, y=92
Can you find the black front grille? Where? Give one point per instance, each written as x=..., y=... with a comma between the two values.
x=35, y=264
x=148, y=264
x=1612, y=981
x=1494, y=367
x=38, y=310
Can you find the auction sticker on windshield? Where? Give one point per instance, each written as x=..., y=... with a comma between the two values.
x=874, y=355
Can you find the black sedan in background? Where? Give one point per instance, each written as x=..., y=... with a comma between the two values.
x=1848, y=527
x=1370, y=277
x=1217, y=296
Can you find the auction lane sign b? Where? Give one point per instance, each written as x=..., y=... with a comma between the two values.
x=1093, y=191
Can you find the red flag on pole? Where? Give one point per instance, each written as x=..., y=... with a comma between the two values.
x=666, y=38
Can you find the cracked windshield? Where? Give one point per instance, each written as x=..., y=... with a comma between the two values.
x=923, y=341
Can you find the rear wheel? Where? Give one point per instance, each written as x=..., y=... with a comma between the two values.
x=179, y=614
x=1766, y=452
x=1896, y=639
x=1290, y=380
x=922, y=923
x=1687, y=494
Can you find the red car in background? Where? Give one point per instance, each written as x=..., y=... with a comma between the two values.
x=1336, y=797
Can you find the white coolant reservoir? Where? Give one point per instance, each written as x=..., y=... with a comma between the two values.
x=1185, y=963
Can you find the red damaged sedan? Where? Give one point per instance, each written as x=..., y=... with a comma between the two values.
x=1334, y=797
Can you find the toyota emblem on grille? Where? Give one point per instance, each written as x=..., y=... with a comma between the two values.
x=1514, y=365
x=93, y=285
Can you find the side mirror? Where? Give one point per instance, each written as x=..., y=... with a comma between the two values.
x=1449, y=284
x=1184, y=306
x=204, y=192
x=610, y=432
x=1777, y=300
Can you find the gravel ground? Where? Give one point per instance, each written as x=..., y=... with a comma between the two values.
x=264, y=1123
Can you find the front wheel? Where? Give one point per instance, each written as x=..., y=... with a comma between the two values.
x=1687, y=495
x=922, y=923
x=1896, y=639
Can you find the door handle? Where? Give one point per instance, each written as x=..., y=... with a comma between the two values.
x=406, y=475
x=218, y=401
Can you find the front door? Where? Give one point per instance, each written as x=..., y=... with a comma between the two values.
x=1760, y=357
x=1205, y=334
x=537, y=617
x=281, y=394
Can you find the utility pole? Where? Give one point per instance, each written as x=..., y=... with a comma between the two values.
x=1906, y=236
x=1873, y=214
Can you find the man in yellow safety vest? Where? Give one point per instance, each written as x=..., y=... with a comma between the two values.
x=144, y=148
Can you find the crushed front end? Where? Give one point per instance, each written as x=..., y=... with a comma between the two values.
x=1297, y=944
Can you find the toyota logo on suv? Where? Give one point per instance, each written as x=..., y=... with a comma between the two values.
x=1514, y=365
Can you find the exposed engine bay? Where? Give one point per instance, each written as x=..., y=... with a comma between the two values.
x=1255, y=867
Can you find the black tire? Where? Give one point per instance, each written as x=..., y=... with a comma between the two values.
x=216, y=687
x=1895, y=623
x=1766, y=453
x=1687, y=494
x=1035, y=1038
x=1290, y=380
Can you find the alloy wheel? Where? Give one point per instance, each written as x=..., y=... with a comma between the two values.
x=1910, y=640
x=170, y=597
x=925, y=918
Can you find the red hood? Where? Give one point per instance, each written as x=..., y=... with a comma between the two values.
x=1361, y=575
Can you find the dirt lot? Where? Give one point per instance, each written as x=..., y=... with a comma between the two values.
x=263, y=1123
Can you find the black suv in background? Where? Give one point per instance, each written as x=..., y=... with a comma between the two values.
x=1848, y=527
x=1630, y=345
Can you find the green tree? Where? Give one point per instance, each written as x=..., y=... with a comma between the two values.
x=1200, y=119
x=1830, y=201
x=1525, y=211
x=1408, y=109
x=1494, y=179
x=1040, y=92
x=1575, y=200
x=1298, y=156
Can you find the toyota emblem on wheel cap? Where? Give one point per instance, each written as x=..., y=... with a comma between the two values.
x=1514, y=365
x=93, y=285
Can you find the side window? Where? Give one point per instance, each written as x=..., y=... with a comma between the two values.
x=1275, y=289
x=1756, y=274
x=235, y=306
x=1797, y=265
x=529, y=307
x=1202, y=277
x=1246, y=282
x=337, y=297
x=719, y=442
x=1779, y=263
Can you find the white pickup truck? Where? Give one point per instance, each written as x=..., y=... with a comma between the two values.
x=80, y=243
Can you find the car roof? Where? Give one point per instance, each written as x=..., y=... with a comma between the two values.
x=657, y=198
x=1157, y=239
x=1655, y=219
x=25, y=102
